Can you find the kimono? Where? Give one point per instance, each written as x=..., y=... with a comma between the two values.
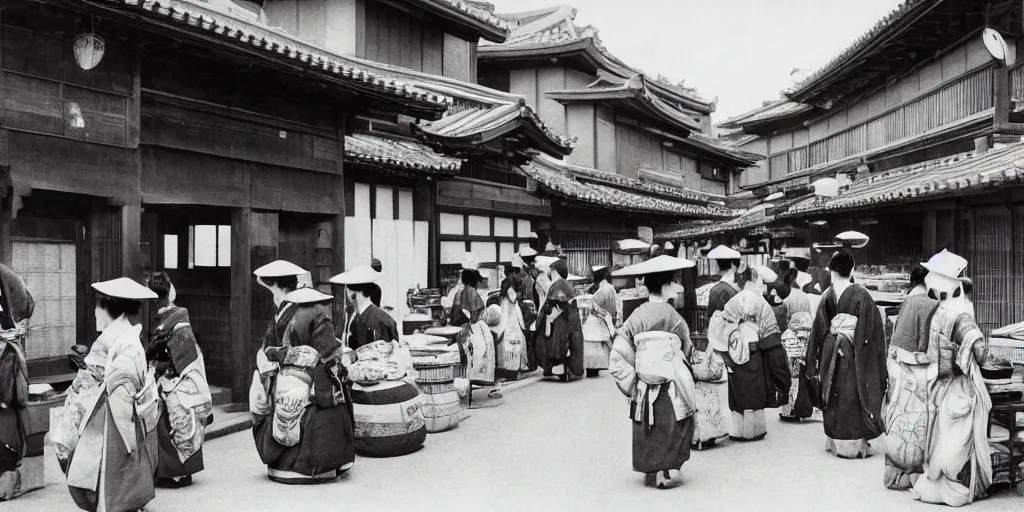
x=370, y=325
x=720, y=295
x=662, y=415
x=759, y=373
x=794, y=339
x=112, y=464
x=560, y=340
x=13, y=415
x=184, y=392
x=599, y=329
x=957, y=457
x=302, y=405
x=797, y=302
x=542, y=286
x=511, y=337
x=906, y=405
x=846, y=355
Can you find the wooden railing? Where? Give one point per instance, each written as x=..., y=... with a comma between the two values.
x=951, y=102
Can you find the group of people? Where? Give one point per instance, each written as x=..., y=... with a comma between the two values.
x=923, y=389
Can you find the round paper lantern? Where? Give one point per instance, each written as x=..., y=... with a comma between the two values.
x=89, y=50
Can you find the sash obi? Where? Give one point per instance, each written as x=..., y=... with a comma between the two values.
x=844, y=326
x=655, y=352
x=292, y=393
x=147, y=403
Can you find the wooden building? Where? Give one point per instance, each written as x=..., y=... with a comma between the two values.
x=918, y=122
x=204, y=143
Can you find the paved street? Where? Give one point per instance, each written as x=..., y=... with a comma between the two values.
x=548, y=447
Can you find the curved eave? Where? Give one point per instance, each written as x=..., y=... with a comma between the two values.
x=735, y=157
x=208, y=25
x=581, y=54
x=630, y=99
x=483, y=139
x=702, y=107
x=485, y=25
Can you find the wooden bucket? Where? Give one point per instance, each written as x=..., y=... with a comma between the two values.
x=441, y=410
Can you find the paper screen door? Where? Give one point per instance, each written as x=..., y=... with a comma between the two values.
x=49, y=271
x=385, y=229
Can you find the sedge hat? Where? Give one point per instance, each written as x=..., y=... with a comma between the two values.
x=124, y=288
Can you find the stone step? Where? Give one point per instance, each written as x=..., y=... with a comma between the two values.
x=221, y=396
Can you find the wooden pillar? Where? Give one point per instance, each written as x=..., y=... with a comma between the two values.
x=338, y=232
x=929, y=234
x=7, y=214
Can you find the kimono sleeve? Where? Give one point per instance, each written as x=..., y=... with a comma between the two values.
x=321, y=336
x=869, y=338
x=622, y=364
x=683, y=332
x=819, y=330
x=182, y=348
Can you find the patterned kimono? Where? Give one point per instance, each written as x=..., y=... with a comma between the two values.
x=301, y=402
x=599, y=329
x=184, y=392
x=512, y=352
x=761, y=378
x=720, y=295
x=112, y=464
x=662, y=415
x=16, y=306
x=906, y=405
x=957, y=458
x=847, y=356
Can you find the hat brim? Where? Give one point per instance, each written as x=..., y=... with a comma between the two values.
x=933, y=270
x=663, y=263
x=360, y=275
x=124, y=288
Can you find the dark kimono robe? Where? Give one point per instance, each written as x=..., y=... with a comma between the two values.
x=326, y=448
x=663, y=444
x=854, y=370
x=16, y=304
x=371, y=325
x=177, y=357
x=564, y=344
x=719, y=296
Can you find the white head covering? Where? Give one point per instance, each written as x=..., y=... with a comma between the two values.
x=517, y=262
x=724, y=253
x=946, y=264
x=852, y=239
x=471, y=262
x=527, y=251
x=124, y=288
x=307, y=296
x=363, y=274
x=596, y=268
x=767, y=275
x=279, y=268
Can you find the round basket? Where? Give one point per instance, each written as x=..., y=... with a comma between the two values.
x=435, y=374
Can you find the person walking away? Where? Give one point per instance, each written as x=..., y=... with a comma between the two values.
x=560, y=330
x=370, y=323
x=599, y=329
x=728, y=261
x=906, y=403
x=958, y=459
x=184, y=392
x=846, y=355
x=300, y=397
x=649, y=364
x=747, y=336
x=113, y=461
x=16, y=308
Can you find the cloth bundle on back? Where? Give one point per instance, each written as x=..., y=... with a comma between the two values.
x=661, y=412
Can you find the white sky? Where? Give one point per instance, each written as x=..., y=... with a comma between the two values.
x=741, y=51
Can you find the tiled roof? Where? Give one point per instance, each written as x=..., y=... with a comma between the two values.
x=881, y=28
x=275, y=44
x=646, y=186
x=722, y=149
x=752, y=218
x=400, y=154
x=777, y=110
x=486, y=123
x=554, y=27
x=954, y=175
x=559, y=180
x=463, y=8
x=636, y=92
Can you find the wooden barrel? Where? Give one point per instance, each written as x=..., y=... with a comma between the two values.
x=435, y=367
x=442, y=407
x=388, y=419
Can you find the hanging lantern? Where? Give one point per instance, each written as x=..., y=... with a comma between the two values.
x=89, y=50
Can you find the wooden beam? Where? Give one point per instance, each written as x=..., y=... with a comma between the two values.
x=241, y=303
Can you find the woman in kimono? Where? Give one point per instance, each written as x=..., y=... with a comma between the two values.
x=16, y=307
x=599, y=329
x=511, y=330
x=905, y=407
x=662, y=414
x=560, y=330
x=112, y=464
x=728, y=261
x=846, y=355
x=181, y=377
x=749, y=339
x=301, y=396
x=796, y=301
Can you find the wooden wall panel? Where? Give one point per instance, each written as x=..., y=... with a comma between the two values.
x=176, y=127
x=478, y=196
x=457, y=58
x=277, y=188
x=181, y=177
x=607, y=159
x=65, y=165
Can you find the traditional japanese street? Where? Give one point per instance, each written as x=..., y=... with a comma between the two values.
x=546, y=446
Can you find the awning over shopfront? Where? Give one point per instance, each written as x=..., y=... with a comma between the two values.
x=757, y=216
x=956, y=175
x=398, y=156
x=560, y=180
